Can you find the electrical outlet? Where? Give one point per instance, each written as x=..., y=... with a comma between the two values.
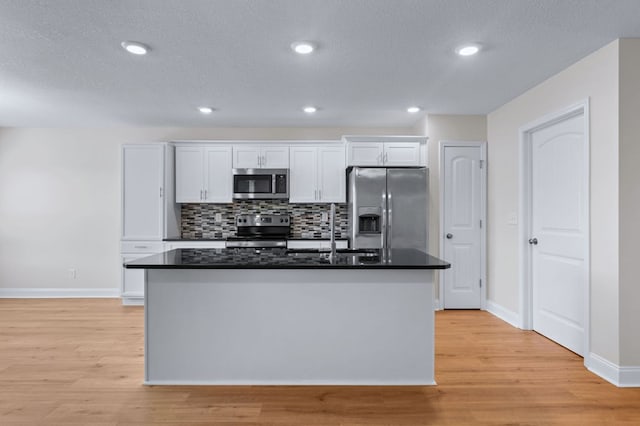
x=218, y=217
x=513, y=218
x=72, y=273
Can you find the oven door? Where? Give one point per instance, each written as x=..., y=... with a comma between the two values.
x=260, y=183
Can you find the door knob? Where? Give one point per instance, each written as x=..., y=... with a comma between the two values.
x=449, y=236
x=533, y=241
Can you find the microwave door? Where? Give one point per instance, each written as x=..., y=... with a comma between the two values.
x=252, y=184
x=260, y=184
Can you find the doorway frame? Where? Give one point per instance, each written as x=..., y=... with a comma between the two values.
x=526, y=218
x=483, y=216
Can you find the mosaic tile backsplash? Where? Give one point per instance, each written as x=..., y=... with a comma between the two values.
x=198, y=220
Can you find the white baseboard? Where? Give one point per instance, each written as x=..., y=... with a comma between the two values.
x=503, y=313
x=57, y=293
x=624, y=377
x=133, y=301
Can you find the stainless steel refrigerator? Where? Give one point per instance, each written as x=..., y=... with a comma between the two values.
x=388, y=207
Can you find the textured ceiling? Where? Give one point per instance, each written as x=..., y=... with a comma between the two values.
x=61, y=63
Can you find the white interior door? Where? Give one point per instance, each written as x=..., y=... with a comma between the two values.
x=559, y=232
x=462, y=194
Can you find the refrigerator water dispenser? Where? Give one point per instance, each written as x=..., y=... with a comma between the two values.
x=369, y=220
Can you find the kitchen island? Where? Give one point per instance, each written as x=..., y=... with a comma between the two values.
x=273, y=316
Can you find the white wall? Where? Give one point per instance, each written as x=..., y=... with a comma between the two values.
x=629, y=293
x=60, y=197
x=594, y=77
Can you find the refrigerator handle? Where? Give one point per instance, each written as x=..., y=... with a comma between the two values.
x=384, y=218
x=390, y=221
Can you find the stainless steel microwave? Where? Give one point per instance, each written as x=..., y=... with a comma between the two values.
x=260, y=184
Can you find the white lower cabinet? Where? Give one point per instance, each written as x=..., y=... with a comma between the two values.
x=132, y=287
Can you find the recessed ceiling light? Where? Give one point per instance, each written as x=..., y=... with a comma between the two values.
x=135, y=47
x=468, y=50
x=413, y=109
x=310, y=109
x=205, y=110
x=303, y=47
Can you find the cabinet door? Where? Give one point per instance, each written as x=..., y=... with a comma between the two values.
x=365, y=154
x=302, y=175
x=142, y=192
x=219, y=181
x=331, y=175
x=189, y=174
x=132, y=279
x=246, y=157
x=402, y=154
x=275, y=157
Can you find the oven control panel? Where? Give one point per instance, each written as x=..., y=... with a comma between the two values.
x=262, y=220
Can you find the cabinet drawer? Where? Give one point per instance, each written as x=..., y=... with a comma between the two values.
x=141, y=247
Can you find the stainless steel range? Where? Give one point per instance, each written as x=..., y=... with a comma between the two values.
x=260, y=231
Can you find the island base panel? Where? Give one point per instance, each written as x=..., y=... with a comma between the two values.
x=365, y=327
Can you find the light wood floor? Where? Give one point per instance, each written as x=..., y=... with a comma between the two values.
x=81, y=362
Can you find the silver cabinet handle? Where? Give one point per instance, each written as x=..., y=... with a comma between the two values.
x=160, y=192
x=201, y=194
x=449, y=236
x=386, y=157
x=315, y=194
x=205, y=194
x=319, y=194
x=140, y=246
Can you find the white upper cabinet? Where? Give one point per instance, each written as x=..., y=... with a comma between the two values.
x=203, y=174
x=365, y=154
x=218, y=186
x=386, y=154
x=303, y=174
x=317, y=174
x=402, y=154
x=260, y=157
x=189, y=174
x=143, y=192
x=332, y=176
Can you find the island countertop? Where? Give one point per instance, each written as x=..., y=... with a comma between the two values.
x=279, y=258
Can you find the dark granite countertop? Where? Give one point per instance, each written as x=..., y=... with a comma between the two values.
x=224, y=239
x=279, y=258
x=204, y=240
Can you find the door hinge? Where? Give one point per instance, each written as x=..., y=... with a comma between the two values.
x=480, y=282
x=481, y=163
